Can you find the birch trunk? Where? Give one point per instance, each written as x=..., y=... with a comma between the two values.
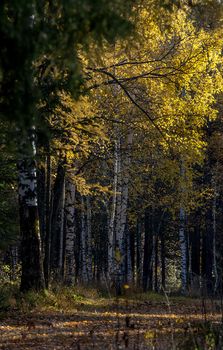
x=183, y=249
x=129, y=272
x=195, y=242
x=61, y=232
x=70, y=233
x=14, y=261
x=121, y=211
x=41, y=199
x=182, y=235
x=89, y=240
x=55, y=224
x=83, y=240
x=140, y=238
x=48, y=213
x=32, y=267
x=111, y=228
x=118, y=229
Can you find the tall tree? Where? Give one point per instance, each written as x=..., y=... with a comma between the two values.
x=46, y=35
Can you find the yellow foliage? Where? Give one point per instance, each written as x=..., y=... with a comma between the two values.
x=171, y=70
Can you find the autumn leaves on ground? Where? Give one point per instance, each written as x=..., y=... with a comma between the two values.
x=83, y=319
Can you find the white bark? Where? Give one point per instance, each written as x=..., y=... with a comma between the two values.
x=182, y=237
x=61, y=237
x=122, y=201
x=118, y=238
x=129, y=262
x=111, y=227
x=27, y=172
x=70, y=233
x=89, y=240
x=14, y=261
x=183, y=249
x=32, y=268
x=83, y=247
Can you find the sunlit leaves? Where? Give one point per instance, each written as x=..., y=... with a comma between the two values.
x=173, y=71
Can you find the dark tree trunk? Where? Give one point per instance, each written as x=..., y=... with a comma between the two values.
x=207, y=253
x=156, y=263
x=163, y=259
x=195, y=251
x=138, y=252
x=32, y=268
x=195, y=254
x=220, y=248
x=148, y=248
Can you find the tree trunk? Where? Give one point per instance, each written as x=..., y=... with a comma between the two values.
x=156, y=262
x=41, y=174
x=163, y=259
x=140, y=242
x=32, y=267
x=70, y=233
x=121, y=209
x=83, y=243
x=195, y=256
x=183, y=250
x=215, y=270
x=118, y=254
x=182, y=234
x=48, y=213
x=56, y=217
x=128, y=272
x=207, y=252
x=61, y=233
x=111, y=227
x=89, y=239
x=148, y=249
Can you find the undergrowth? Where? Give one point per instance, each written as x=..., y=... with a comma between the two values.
x=197, y=336
x=57, y=298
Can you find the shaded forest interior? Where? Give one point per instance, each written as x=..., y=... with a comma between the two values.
x=111, y=156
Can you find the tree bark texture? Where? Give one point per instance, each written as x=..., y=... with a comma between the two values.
x=32, y=267
x=56, y=217
x=70, y=233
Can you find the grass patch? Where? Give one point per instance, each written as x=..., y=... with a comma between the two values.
x=58, y=298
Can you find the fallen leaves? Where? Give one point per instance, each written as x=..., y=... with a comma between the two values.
x=108, y=325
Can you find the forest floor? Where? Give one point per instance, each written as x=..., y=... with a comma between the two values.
x=148, y=321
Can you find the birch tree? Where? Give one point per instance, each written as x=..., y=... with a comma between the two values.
x=70, y=232
x=183, y=250
x=89, y=238
x=32, y=265
x=83, y=244
x=121, y=209
x=111, y=226
x=40, y=49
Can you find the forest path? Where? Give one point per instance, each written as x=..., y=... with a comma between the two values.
x=110, y=324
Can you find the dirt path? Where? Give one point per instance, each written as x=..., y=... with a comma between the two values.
x=107, y=326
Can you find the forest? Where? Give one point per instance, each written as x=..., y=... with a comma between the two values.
x=111, y=185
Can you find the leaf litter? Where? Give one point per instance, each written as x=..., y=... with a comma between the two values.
x=107, y=325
